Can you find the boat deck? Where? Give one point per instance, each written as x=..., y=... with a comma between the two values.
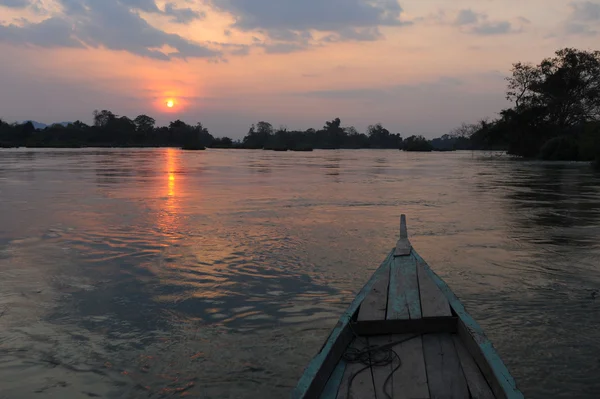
x=429, y=362
x=406, y=336
x=422, y=366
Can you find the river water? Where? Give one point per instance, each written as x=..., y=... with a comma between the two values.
x=158, y=273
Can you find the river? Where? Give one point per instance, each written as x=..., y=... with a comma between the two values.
x=154, y=273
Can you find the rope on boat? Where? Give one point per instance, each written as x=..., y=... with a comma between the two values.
x=374, y=356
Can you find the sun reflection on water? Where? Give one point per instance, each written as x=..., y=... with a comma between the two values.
x=171, y=165
x=168, y=220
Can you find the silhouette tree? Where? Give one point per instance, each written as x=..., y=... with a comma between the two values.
x=258, y=135
x=103, y=118
x=333, y=134
x=144, y=124
x=416, y=143
x=380, y=137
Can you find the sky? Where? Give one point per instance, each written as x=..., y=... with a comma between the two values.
x=416, y=66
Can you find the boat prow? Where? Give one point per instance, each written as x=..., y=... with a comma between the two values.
x=406, y=336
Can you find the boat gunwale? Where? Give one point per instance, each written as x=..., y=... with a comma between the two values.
x=305, y=384
x=496, y=371
x=507, y=384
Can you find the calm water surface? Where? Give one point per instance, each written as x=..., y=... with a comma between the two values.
x=219, y=274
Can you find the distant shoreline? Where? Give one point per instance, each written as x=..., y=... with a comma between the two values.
x=228, y=148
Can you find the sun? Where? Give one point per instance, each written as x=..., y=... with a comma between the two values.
x=170, y=103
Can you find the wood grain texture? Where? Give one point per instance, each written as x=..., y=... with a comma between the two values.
x=497, y=375
x=382, y=372
x=361, y=386
x=403, y=294
x=433, y=301
x=444, y=375
x=374, y=306
x=410, y=380
x=333, y=384
x=320, y=368
x=403, y=247
x=478, y=350
x=403, y=227
x=478, y=386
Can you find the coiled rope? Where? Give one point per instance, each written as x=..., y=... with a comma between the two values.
x=373, y=356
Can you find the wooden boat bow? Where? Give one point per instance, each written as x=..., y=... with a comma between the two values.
x=438, y=350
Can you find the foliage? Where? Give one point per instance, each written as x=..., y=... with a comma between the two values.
x=417, y=143
x=380, y=137
x=108, y=130
x=556, y=109
x=144, y=124
x=566, y=88
x=258, y=135
x=223, y=142
x=332, y=136
x=589, y=142
x=103, y=118
x=559, y=149
x=111, y=130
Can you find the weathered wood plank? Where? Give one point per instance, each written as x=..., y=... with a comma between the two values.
x=433, y=302
x=357, y=382
x=359, y=387
x=318, y=371
x=403, y=326
x=495, y=372
x=410, y=379
x=333, y=384
x=403, y=247
x=403, y=227
x=444, y=375
x=403, y=293
x=478, y=386
x=380, y=373
x=374, y=305
x=481, y=353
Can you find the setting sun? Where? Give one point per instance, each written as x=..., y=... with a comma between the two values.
x=170, y=103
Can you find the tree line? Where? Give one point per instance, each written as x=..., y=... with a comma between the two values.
x=555, y=116
x=111, y=130
x=108, y=130
x=555, y=113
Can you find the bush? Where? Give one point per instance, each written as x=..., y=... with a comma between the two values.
x=417, y=143
x=589, y=142
x=560, y=149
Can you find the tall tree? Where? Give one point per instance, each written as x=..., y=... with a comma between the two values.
x=144, y=123
x=564, y=88
x=333, y=133
x=103, y=118
x=258, y=135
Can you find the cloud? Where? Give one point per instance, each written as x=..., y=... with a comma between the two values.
x=113, y=24
x=428, y=108
x=14, y=3
x=283, y=48
x=182, y=15
x=585, y=11
x=466, y=17
x=493, y=28
x=292, y=21
x=390, y=92
x=480, y=24
x=356, y=34
x=583, y=19
x=52, y=32
x=34, y=6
